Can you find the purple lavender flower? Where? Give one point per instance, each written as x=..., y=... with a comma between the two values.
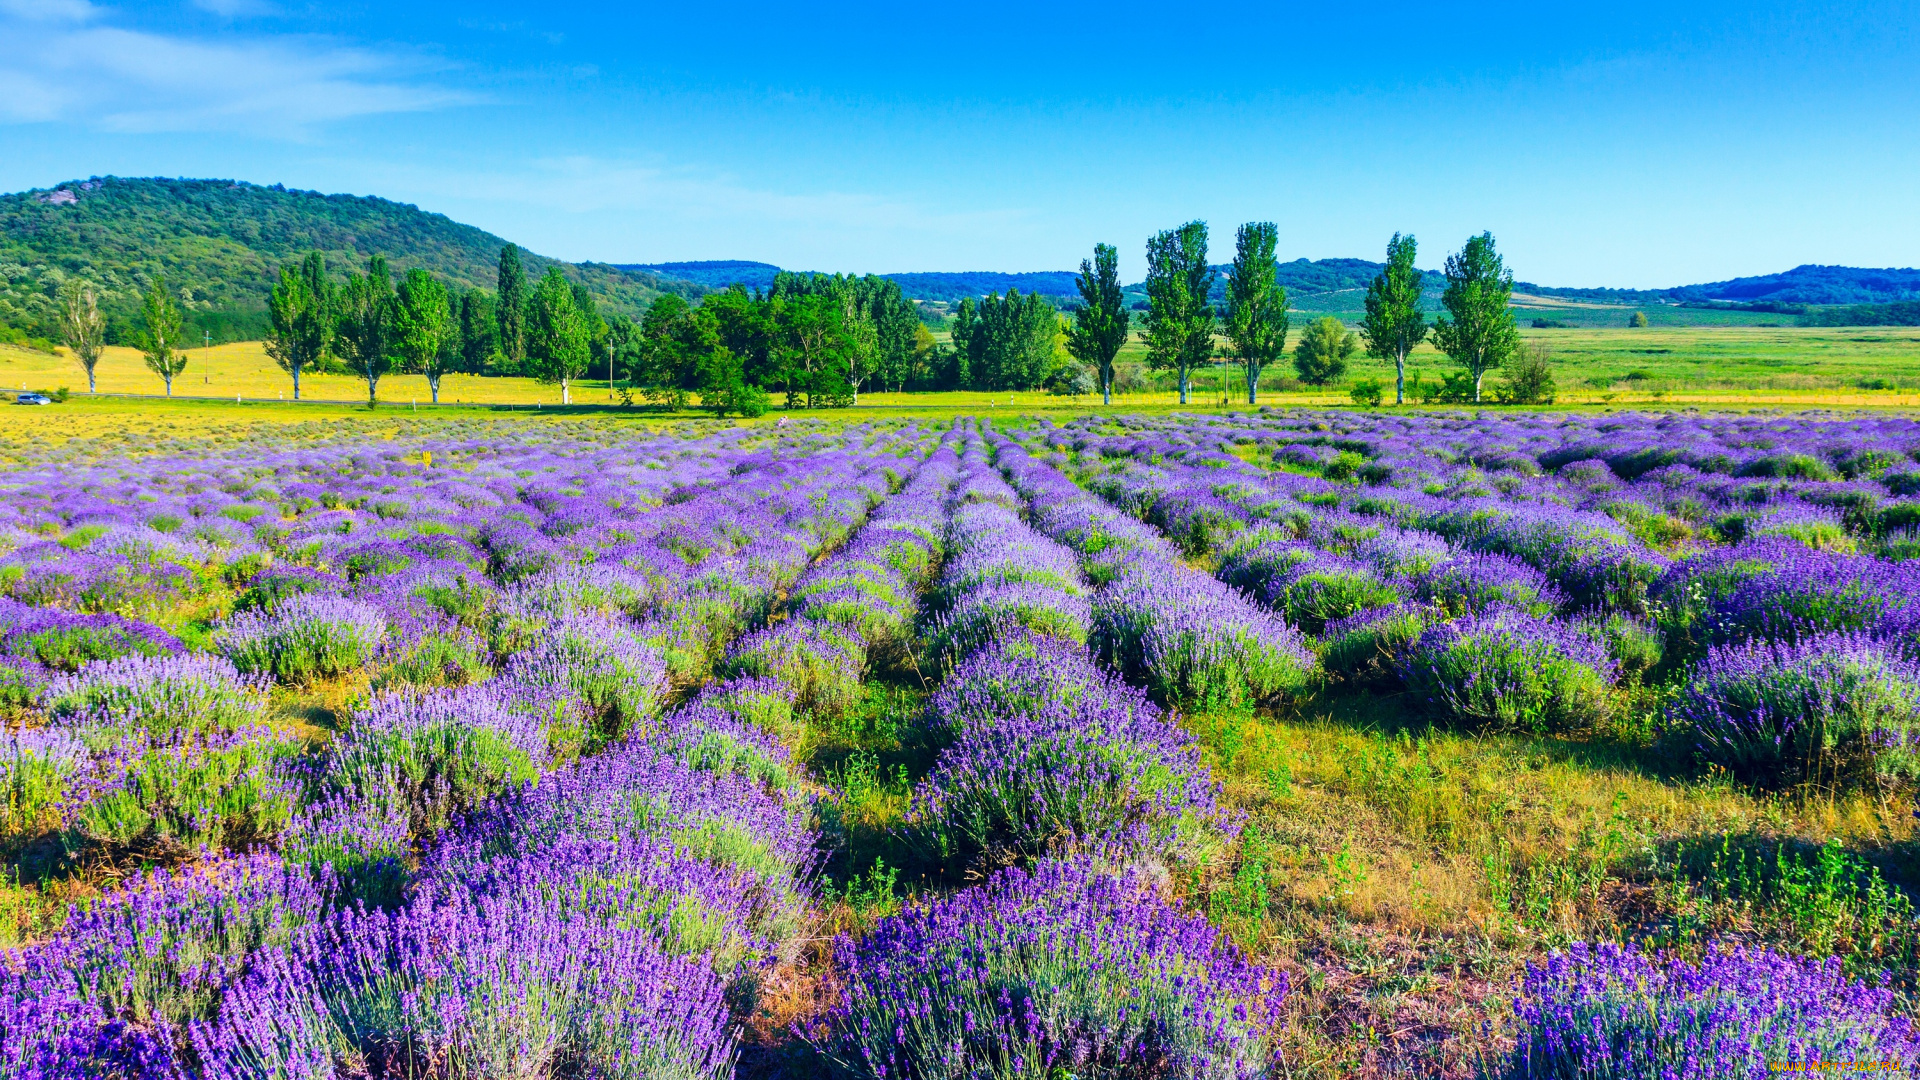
x=1064, y=968
x=1832, y=706
x=1508, y=669
x=304, y=636
x=164, y=695
x=1610, y=1011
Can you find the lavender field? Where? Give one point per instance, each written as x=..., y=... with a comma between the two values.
x=1273, y=744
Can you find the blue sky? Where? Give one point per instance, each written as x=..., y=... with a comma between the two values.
x=1629, y=144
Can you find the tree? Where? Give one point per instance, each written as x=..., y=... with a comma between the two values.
x=160, y=340
x=1323, y=352
x=302, y=312
x=1008, y=341
x=1395, y=322
x=1637, y=320
x=362, y=335
x=479, y=331
x=559, y=341
x=674, y=341
x=863, y=336
x=816, y=348
x=1101, y=323
x=1481, y=334
x=421, y=325
x=1179, y=329
x=1256, y=321
x=511, y=310
x=82, y=326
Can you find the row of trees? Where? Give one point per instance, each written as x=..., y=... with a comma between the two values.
x=374, y=326
x=820, y=339
x=1477, y=332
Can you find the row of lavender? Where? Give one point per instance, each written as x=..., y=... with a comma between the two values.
x=1074, y=959
x=508, y=857
x=1789, y=647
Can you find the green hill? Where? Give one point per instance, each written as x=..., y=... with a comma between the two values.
x=222, y=241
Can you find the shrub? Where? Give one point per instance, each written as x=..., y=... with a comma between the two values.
x=821, y=663
x=1506, y=669
x=1315, y=591
x=1366, y=393
x=1194, y=642
x=1830, y=708
x=1364, y=645
x=36, y=768
x=215, y=790
x=1607, y=1011
x=1046, y=753
x=987, y=614
x=303, y=637
x=1527, y=378
x=1062, y=971
x=68, y=642
x=161, y=696
x=604, y=663
x=516, y=984
x=1808, y=593
x=1324, y=349
x=1476, y=582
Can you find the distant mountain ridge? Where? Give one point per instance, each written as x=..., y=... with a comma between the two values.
x=1809, y=284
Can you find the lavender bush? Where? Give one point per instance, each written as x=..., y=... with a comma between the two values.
x=304, y=636
x=1610, y=1011
x=1507, y=669
x=1065, y=969
x=1836, y=708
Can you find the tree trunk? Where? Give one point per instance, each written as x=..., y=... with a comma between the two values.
x=373, y=387
x=296, y=381
x=1400, y=378
x=433, y=388
x=168, y=379
x=1183, y=384
x=1477, y=376
x=566, y=397
x=90, y=388
x=1253, y=385
x=1106, y=387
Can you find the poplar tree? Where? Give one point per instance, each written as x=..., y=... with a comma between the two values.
x=510, y=309
x=160, y=340
x=82, y=326
x=1481, y=334
x=1395, y=323
x=1256, y=317
x=559, y=341
x=302, y=312
x=362, y=336
x=1179, y=329
x=422, y=322
x=1100, y=326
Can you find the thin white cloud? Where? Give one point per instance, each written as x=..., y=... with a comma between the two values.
x=134, y=81
x=49, y=10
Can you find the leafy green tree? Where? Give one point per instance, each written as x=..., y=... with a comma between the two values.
x=1323, y=352
x=752, y=329
x=510, y=310
x=479, y=331
x=1008, y=341
x=1637, y=320
x=601, y=358
x=1179, y=330
x=1100, y=325
x=160, y=339
x=82, y=326
x=302, y=312
x=815, y=349
x=362, y=333
x=422, y=322
x=559, y=341
x=1480, y=335
x=1395, y=322
x=1256, y=317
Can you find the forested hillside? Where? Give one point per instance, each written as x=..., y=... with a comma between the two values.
x=221, y=241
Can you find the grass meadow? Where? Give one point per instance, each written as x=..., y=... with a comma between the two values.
x=1595, y=368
